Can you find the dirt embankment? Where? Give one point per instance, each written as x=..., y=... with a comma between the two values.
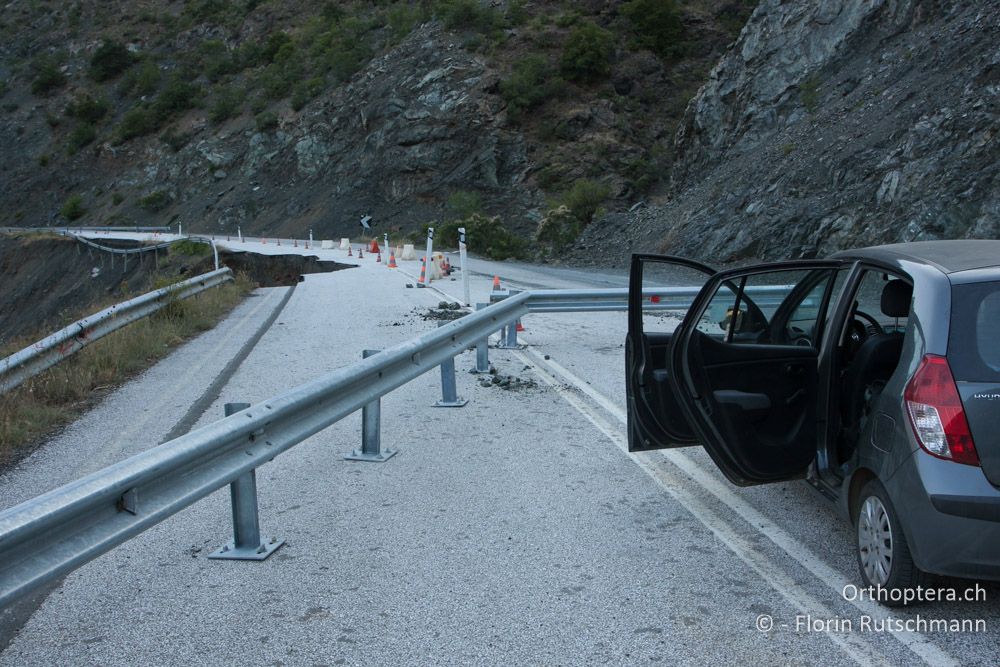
x=48, y=281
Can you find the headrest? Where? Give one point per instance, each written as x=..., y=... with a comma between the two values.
x=896, y=296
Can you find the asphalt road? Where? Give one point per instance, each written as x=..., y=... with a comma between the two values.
x=515, y=530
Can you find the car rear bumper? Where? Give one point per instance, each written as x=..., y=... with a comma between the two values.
x=951, y=516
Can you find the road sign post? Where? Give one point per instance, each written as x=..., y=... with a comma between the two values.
x=465, y=270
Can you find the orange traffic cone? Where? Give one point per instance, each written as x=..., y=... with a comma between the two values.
x=378, y=259
x=227, y=238
x=520, y=327
x=374, y=246
x=349, y=253
x=392, y=260
x=423, y=271
x=295, y=243
x=279, y=241
x=263, y=240
x=496, y=283
x=361, y=255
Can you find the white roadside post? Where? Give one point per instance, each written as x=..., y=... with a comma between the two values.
x=385, y=244
x=464, y=268
x=428, y=256
x=239, y=233
x=180, y=230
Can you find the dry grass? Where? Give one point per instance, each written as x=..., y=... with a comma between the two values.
x=56, y=397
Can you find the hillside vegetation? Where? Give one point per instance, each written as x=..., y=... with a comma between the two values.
x=279, y=116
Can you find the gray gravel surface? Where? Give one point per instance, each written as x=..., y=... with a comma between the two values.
x=511, y=531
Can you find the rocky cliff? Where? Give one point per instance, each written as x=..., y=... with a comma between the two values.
x=829, y=124
x=279, y=117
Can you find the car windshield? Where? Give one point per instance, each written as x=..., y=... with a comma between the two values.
x=973, y=348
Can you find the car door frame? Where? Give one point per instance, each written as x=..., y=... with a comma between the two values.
x=697, y=413
x=654, y=436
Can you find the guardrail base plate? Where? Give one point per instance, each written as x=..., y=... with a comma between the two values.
x=230, y=552
x=381, y=457
x=451, y=404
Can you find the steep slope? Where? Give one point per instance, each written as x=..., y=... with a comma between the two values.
x=284, y=116
x=833, y=123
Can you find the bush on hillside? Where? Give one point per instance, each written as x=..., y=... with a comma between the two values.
x=587, y=54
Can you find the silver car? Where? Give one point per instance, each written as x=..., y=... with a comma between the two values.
x=874, y=374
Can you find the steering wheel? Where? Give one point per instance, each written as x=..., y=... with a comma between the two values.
x=858, y=333
x=876, y=327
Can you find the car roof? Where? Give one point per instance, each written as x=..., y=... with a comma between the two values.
x=946, y=256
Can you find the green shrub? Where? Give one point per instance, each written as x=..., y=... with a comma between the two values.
x=228, y=103
x=178, y=95
x=266, y=120
x=306, y=91
x=155, y=201
x=656, y=25
x=82, y=135
x=490, y=237
x=87, y=109
x=276, y=80
x=117, y=198
x=176, y=140
x=207, y=10
x=142, y=80
x=216, y=61
x=274, y=43
x=137, y=122
x=148, y=78
x=809, y=93
x=467, y=15
x=517, y=15
x=109, y=60
x=583, y=199
x=464, y=204
x=558, y=228
x=587, y=53
x=191, y=248
x=73, y=208
x=530, y=84
x=48, y=76
x=401, y=19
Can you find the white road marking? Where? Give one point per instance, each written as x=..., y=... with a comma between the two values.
x=916, y=642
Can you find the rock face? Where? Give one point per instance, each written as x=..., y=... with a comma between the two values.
x=415, y=125
x=831, y=124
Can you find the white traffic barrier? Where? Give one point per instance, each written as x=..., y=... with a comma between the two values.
x=327, y=244
x=408, y=252
x=345, y=243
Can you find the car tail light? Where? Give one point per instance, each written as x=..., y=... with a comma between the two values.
x=936, y=412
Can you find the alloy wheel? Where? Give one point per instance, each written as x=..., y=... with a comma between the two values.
x=875, y=541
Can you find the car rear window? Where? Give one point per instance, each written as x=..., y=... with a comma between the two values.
x=974, y=344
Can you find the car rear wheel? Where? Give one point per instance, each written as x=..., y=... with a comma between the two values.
x=883, y=555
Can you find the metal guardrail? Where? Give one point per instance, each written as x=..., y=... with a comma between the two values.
x=46, y=537
x=162, y=230
x=49, y=536
x=52, y=349
x=120, y=251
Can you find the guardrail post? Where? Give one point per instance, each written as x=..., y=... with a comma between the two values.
x=508, y=336
x=482, y=349
x=449, y=392
x=246, y=544
x=371, y=430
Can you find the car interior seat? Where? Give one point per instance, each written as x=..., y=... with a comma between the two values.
x=873, y=364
